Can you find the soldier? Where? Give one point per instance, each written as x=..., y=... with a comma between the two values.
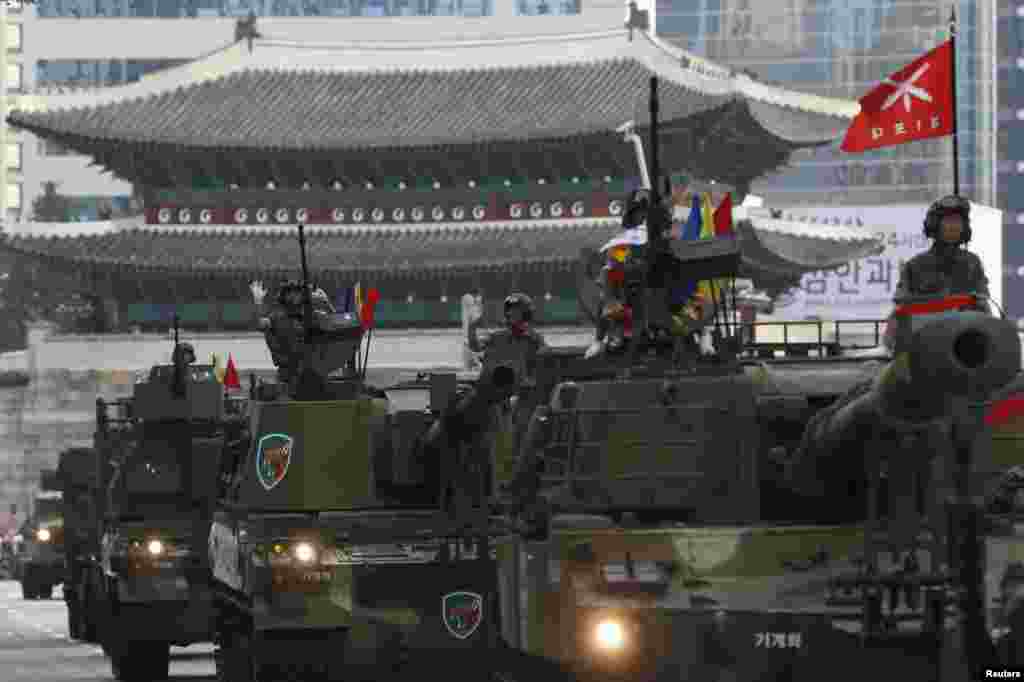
x=282, y=323
x=516, y=346
x=947, y=267
x=664, y=306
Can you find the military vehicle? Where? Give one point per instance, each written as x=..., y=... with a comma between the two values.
x=352, y=540
x=40, y=562
x=140, y=504
x=732, y=516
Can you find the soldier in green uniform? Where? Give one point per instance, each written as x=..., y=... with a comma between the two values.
x=947, y=267
x=516, y=346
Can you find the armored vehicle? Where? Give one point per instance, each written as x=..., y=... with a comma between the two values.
x=731, y=516
x=40, y=563
x=141, y=502
x=352, y=541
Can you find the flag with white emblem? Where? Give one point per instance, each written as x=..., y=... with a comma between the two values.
x=915, y=103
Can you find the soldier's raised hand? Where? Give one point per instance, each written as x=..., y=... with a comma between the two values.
x=258, y=292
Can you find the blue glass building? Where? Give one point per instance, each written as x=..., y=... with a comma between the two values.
x=842, y=48
x=1011, y=149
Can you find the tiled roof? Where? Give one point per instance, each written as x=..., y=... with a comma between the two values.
x=290, y=96
x=359, y=249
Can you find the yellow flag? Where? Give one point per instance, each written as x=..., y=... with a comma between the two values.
x=218, y=371
x=359, y=297
x=707, y=217
x=707, y=231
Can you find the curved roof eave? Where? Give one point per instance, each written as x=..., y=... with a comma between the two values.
x=792, y=116
x=510, y=245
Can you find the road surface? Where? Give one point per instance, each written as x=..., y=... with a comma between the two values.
x=34, y=646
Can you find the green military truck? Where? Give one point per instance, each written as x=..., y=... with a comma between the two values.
x=39, y=565
x=141, y=503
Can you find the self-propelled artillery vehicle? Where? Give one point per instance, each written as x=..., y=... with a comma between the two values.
x=139, y=506
x=39, y=565
x=723, y=517
x=351, y=541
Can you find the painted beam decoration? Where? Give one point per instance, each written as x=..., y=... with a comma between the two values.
x=376, y=212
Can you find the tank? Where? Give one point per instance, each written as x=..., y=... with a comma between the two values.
x=353, y=540
x=40, y=565
x=731, y=516
x=140, y=505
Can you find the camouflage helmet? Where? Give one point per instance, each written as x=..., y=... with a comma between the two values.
x=522, y=301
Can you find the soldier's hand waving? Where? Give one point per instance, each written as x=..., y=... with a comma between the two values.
x=258, y=292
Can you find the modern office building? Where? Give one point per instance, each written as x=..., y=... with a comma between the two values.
x=842, y=48
x=68, y=45
x=1011, y=149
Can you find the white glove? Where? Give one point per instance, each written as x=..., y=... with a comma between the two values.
x=258, y=292
x=595, y=348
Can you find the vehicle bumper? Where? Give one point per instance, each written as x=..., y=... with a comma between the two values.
x=179, y=622
x=749, y=646
x=43, y=570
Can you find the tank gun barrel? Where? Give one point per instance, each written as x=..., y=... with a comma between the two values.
x=965, y=355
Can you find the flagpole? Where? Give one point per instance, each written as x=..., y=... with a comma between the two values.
x=956, y=142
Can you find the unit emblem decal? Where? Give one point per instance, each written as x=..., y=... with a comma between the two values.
x=273, y=455
x=462, y=613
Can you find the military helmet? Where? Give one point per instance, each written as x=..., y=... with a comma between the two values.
x=638, y=202
x=947, y=205
x=522, y=301
x=184, y=353
x=288, y=288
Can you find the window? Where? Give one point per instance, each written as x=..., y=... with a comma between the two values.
x=14, y=195
x=14, y=37
x=14, y=76
x=542, y=7
x=51, y=148
x=13, y=155
x=92, y=73
x=272, y=8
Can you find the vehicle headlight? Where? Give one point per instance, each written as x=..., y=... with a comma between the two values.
x=610, y=635
x=43, y=535
x=305, y=552
x=155, y=547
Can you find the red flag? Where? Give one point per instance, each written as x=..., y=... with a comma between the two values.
x=366, y=310
x=915, y=103
x=1005, y=411
x=231, y=375
x=723, y=217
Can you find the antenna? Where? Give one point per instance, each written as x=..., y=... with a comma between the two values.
x=307, y=296
x=178, y=361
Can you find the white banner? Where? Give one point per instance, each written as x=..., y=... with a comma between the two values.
x=863, y=289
